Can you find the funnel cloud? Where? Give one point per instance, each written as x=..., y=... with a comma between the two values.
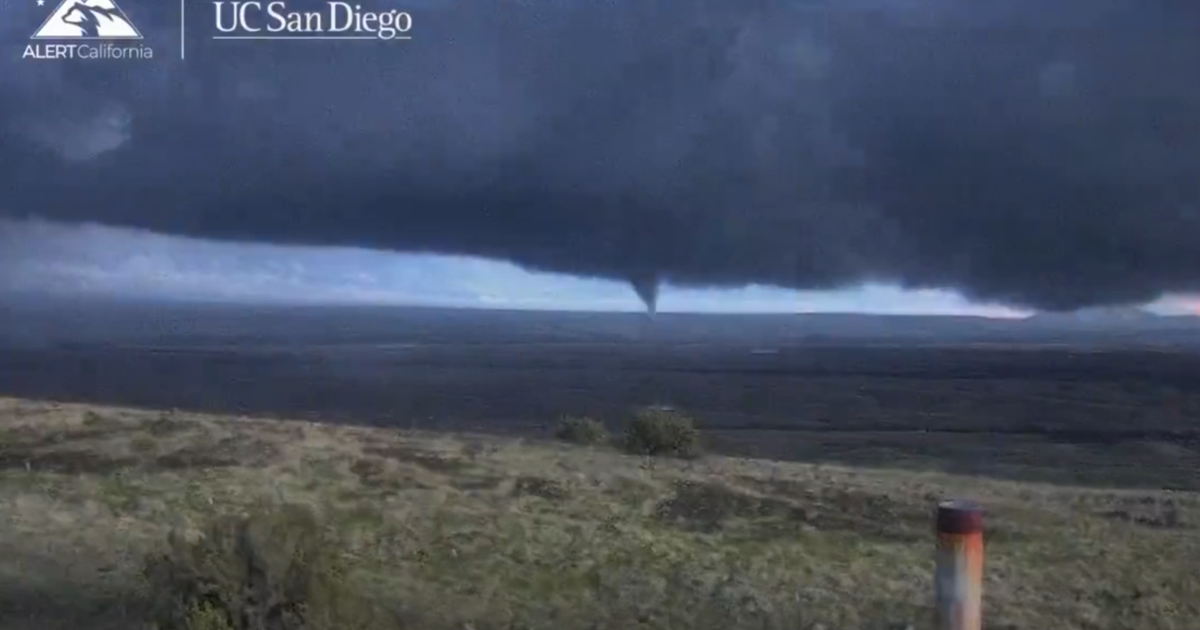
x=1037, y=154
x=646, y=287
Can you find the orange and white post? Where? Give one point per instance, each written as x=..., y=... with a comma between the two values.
x=959, y=579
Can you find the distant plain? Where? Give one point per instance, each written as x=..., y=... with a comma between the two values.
x=1010, y=399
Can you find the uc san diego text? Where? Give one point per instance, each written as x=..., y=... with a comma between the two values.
x=337, y=19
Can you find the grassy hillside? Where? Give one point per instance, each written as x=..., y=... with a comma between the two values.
x=461, y=531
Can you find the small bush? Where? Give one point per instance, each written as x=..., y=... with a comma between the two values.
x=549, y=489
x=581, y=430
x=143, y=443
x=662, y=432
x=206, y=617
x=274, y=570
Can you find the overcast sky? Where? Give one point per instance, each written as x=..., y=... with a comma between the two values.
x=1032, y=153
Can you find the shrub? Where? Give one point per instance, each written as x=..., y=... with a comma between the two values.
x=656, y=431
x=143, y=444
x=274, y=570
x=581, y=430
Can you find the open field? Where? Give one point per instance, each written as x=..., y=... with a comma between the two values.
x=493, y=532
x=1128, y=418
x=421, y=439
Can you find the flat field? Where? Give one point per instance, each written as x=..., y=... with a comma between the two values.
x=1128, y=417
x=469, y=531
x=429, y=461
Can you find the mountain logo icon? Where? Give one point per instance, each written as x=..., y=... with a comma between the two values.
x=87, y=19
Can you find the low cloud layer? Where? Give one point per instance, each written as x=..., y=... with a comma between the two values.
x=96, y=261
x=1036, y=153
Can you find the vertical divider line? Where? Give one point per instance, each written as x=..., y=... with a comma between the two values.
x=182, y=32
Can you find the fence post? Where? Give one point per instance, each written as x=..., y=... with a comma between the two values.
x=958, y=581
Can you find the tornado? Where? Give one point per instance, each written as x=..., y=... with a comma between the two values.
x=809, y=145
x=646, y=287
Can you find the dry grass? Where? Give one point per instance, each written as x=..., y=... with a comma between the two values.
x=472, y=532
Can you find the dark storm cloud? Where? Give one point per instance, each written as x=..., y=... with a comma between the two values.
x=1039, y=153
